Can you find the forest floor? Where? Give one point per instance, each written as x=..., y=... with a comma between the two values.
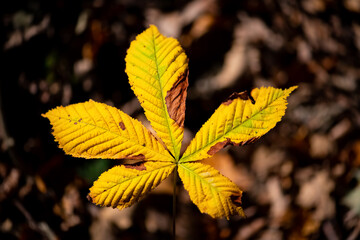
x=300, y=181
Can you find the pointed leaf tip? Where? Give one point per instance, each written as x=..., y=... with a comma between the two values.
x=211, y=192
x=124, y=185
x=240, y=120
x=96, y=130
x=157, y=67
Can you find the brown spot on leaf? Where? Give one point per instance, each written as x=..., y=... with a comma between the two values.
x=243, y=95
x=220, y=145
x=236, y=199
x=122, y=125
x=138, y=166
x=175, y=99
x=217, y=147
x=136, y=157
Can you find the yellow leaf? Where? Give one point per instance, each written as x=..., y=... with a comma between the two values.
x=211, y=192
x=157, y=67
x=238, y=121
x=122, y=186
x=96, y=130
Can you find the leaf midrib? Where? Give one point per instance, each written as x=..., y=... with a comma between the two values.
x=226, y=134
x=115, y=133
x=137, y=176
x=176, y=152
x=199, y=177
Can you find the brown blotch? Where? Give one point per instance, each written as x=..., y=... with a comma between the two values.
x=138, y=166
x=175, y=99
x=243, y=96
x=236, y=199
x=122, y=125
x=220, y=145
x=136, y=157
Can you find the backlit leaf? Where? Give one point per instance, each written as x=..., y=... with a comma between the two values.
x=157, y=67
x=96, y=130
x=211, y=192
x=238, y=121
x=122, y=186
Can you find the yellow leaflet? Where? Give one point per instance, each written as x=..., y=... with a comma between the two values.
x=157, y=67
x=211, y=192
x=122, y=186
x=238, y=121
x=96, y=130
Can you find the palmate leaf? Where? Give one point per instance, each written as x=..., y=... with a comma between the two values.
x=122, y=186
x=212, y=193
x=238, y=121
x=96, y=130
x=157, y=67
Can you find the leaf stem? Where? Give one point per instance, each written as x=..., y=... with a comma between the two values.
x=174, y=204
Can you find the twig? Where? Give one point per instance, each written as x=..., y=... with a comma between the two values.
x=174, y=205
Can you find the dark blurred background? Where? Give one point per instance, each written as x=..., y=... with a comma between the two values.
x=301, y=180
